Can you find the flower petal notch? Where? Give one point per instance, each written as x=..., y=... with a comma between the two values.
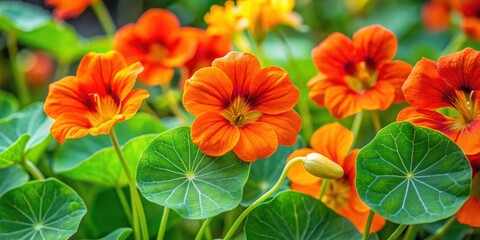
x=98, y=97
x=358, y=74
x=241, y=107
x=413, y=175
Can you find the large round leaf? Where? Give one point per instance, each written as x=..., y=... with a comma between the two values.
x=19, y=16
x=264, y=173
x=40, y=210
x=413, y=175
x=22, y=131
x=12, y=177
x=292, y=215
x=173, y=172
x=8, y=104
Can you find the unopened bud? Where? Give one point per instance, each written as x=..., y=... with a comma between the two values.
x=320, y=166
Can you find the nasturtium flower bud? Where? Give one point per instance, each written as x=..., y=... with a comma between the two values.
x=320, y=166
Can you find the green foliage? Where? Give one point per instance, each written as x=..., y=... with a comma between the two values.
x=12, y=177
x=173, y=172
x=412, y=175
x=292, y=215
x=8, y=104
x=40, y=210
x=119, y=234
x=21, y=17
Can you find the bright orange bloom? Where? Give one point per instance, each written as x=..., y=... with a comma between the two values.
x=158, y=42
x=209, y=48
x=358, y=74
x=65, y=9
x=98, y=97
x=225, y=21
x=470, y=210
x=334, y=141
x=436, y=15
x=241, y=107
x=450, y=83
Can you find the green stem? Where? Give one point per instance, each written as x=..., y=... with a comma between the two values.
x=172, y=103
x=397, y=232
x=124, y=202
x=242, y=42
x=250, y=208
x=455, y=44
x=135, y=198
x=377, y=124
x=260, y=52
x=323, y=189
x=208, y=233
x=411, y=232
x=18, y=75
x=32, y=169
x=442, y=230
x=357, y=122
x=203, y=228
x=163, y=223
x=62, y=69
x=366, y=231
x=104, y=18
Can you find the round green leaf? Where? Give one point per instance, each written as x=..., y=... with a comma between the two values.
x=19, y=16
x=40, y=210
x=264, y=173
x=173, y=172
x=75, y=151
x=21, y=132
x=12, y=177
x=8, y=104
x=413, y=175
x=292, y=215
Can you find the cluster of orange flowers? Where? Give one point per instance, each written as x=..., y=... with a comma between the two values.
x=241, y=107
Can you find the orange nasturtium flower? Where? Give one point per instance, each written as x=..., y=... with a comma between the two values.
x=452, y=84
x=65, y=9
x=334, y=141
x=242, y=107
x=358, y=74
x=158, y=42
x=98, y=97
x=436, y=15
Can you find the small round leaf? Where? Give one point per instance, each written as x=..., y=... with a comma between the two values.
x=293, y=215
x=40, y=210
x=173, y=172
x=413, y=175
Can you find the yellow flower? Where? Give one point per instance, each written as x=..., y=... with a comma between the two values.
x=226, y=20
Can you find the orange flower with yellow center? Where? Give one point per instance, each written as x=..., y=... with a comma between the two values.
x=241, y=107
x=334, y=141
x=98, y=97
x=158, y=42
x=358, y=74
x=65, y=9
x=452, y=84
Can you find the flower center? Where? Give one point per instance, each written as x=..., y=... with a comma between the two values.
x=337, y=193
x=466, y=106
x=238, y=113
x=361, y=76
x=105, y=109
x=475, y=188
x=157, y=52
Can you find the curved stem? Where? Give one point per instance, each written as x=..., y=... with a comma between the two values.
x=18, y=76
x=104, y=18
x=397, y=232
x=357, y=122
x=366, y=231
x=376, y=121
x=455, y=44
x=411, y=232
x=442, y=230
x=323, y=189
x=172, y=103
x=203, y=228
x=163, y=223
x=250, y=208
x=124, y=202
x=135, y=198
x=32, y=169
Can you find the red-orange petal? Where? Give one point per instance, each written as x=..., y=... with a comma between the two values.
x=317, y=87
x=426, y=118
x=181, y=48
x=65, y=96
x=341, y=101
x=395, y=72
x=70, y=125
x=125, y=79
x=424, y=88
x=469, y=212
x=131, y=103
x=310, y=189
x=129, y=44
x=156, y=24
x=333, y=141
x=156, y=74
x=378, y=97
x=214, y=134
x=436, y=15
x=257, y=140
x=468, y=139
x=241, y=68
x=297, y=173
x=272, y=91
x=331, y=55
x=376, y=43
x=471, y=27
x=460, y=70
x=209, y=89
x=286, y=125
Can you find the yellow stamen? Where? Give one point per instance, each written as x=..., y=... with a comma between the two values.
x=238, y=113
x=467, y=108
x=337, y=193
x=361, y=76
x=105, y=109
